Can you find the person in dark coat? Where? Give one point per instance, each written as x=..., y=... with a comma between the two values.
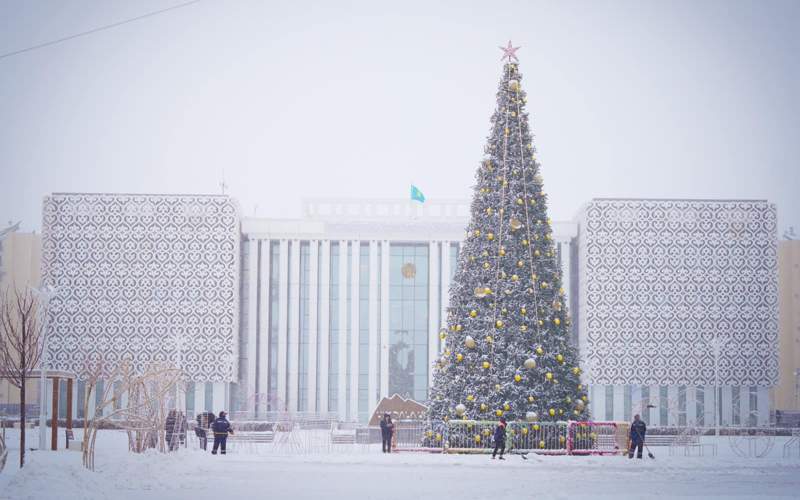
x=638, y=430
x=387, y=429
x=171, y=430
x=221, y=428
x=500, y=438
x=204, y=421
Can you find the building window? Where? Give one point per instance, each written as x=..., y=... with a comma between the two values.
x=663, y=410
x=736, y=405
x=609, y=402
x=628, y=399
x=408, y=321
x=682, y=405
x=209, y=396
x=190, y=399
x=753, y=419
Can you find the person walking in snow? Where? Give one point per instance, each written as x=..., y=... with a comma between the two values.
x=500, y=438
x=171, y=430
x=204, y=421
x=221, y=428
x=387, y=430
x=638, y=430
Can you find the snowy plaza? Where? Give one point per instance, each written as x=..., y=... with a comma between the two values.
x=354, y=471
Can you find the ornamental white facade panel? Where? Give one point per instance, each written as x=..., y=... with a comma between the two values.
x=662, y=281
x=143, y=278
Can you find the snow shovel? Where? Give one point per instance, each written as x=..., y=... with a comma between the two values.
x=649, y=454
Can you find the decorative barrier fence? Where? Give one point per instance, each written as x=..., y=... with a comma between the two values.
x=3, y=451
x=597, y=438
x=548, y=438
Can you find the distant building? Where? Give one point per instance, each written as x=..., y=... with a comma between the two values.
x=660, y=282
x=787, y=393
x=145, y=278
x=20, y=253
x=344, y=306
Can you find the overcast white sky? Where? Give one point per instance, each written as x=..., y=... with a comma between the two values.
x=299, y=99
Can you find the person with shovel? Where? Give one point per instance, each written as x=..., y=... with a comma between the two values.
x=638, y=430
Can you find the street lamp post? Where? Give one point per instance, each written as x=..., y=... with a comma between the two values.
x=45, y=294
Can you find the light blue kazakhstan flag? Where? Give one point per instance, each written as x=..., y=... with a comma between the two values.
x=416, y=194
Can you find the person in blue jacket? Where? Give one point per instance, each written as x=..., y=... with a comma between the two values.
x=638, y=430
x=500, y=438
x=221, y=428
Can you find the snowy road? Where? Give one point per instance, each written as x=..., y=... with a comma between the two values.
x=194, y=475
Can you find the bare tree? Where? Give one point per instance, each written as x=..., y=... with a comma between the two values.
x=20, y=345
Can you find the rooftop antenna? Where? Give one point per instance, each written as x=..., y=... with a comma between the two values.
x=223, y=186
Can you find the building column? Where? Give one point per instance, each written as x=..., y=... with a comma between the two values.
x=313, y=290
x=385, y=278
x=54, y=416
x=324, y=325
x=342, y=392
x=445, y=298
x=727, y=406
x=262, y=385
x=564, y=249
x=691, y=405
x=372, y=397
x=744, y=405
x=433, y=307
x=619, y=403
x=249, y=384
x=294, y=325
x=283, y=322
x=355, y=341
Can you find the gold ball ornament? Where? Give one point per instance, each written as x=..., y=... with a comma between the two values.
x=473, y=313
x=584, y=398
x=499, y=413
x=506, y=407
x=499, y=323
x=524, y=430
x=531, y=399
x=469, y=342
x=460, y=409
x=442, y=334
x=536, y=427
x=544, y=284
x=459, y=357
x=483, y=406
x=559, y=358
x=514, y=222
x=541, y=444
x=561, y=439
x=458, y=328
x=576, y=370
x=497, y=387
x=489, y=211
x=486, y=265
x=560, y=411
x=548, y=376
x=502, y=251
x=524, y=243
x=489, y=339
x=520, y=201
x=477, y=232
x=514, y=277
x=513, y=85
x=477, y=438
x=517, y=378
x=551, y=412
x=504, y=311
x=470, y=397
x=486, y=365
x=530, y=363
x=539, y=351
x=490, y=236
x=523, y=328
x=557, y=321
x=523, y=312
x=537, y=253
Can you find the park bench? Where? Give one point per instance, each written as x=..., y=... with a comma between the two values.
x=239, y=440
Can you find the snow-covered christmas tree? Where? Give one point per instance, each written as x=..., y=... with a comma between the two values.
x=506, y=351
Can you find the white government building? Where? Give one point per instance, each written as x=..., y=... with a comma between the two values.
x=344, y=305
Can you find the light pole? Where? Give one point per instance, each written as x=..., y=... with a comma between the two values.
x=45, y=295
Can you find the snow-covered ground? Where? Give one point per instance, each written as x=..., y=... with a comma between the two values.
x=355, y=472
